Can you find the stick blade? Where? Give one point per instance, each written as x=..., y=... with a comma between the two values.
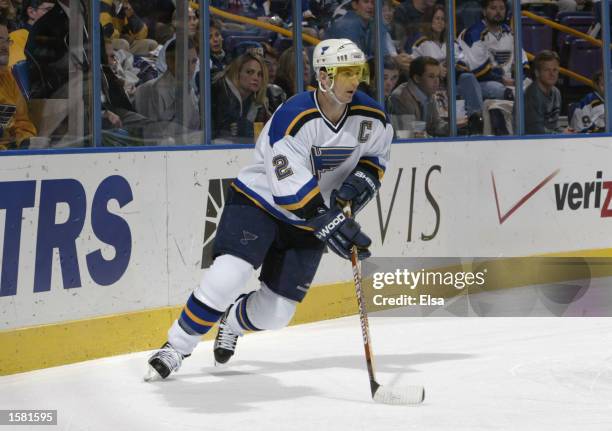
x=400, y=396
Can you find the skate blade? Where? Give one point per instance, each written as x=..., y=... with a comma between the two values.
x=152, y=375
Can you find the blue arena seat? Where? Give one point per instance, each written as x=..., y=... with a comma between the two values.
x=536, y=36
x=584, y=58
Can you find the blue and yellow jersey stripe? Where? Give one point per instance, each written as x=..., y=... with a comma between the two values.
x=301, y=198
x=259, y=201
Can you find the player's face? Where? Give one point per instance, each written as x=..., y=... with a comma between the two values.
x=549, y=73
x=495, y=12
x=430, y=80
x=438, y=23
x=216, y=40
x=4, y=45
x=346, y=82
x=364, y=8
x=251, y=76
x=391, y=77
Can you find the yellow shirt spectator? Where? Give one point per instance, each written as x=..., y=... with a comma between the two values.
x=119, y=20
x=33, y=10
x=19, y=38
x=15, y=124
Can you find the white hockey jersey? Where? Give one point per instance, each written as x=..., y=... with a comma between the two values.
x=427, y=47
x=300, y=155
x=483, y=50
x=590, y=115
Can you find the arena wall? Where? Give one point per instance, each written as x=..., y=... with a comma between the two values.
x=100, y=250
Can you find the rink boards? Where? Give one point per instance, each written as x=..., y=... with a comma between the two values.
x=100, y=249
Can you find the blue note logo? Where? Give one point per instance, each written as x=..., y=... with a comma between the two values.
x=325, y=159
x=247, y=236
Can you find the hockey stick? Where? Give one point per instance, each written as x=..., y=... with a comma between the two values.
x=380, y=393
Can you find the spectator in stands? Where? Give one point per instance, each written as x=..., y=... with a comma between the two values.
x=391, y=75
x=286, y=78
x=218, y=58
x=193, y=22
x=15, y=126
x=488, y=49
x=119, y=20
x=590, y=114
x=157, y=14
x=271, y=59
x=8, y=11
x=388, y=11
x=322, y=11
x=432, y=40
x=274, y=93
x=415, y=97
x=574, y=5
x=468, y=13
x=239, y=97
x=156, y=99
x=117, y=110
x=432, y=43
x=47, y=54
x=358, y=25
x=407, y=19
x=127, y=78
x=542, y=98
x=279, y=13
x=33, y=10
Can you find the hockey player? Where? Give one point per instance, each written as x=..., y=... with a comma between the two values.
x=320, y=150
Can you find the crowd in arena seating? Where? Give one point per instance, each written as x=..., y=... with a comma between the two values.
x=45, y=70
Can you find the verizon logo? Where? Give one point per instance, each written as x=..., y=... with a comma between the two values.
x=585, y=195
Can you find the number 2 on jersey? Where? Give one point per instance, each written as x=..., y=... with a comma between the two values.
x=281, y=167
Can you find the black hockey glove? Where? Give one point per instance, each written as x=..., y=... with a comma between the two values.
x=358, y=189
x=340, y=233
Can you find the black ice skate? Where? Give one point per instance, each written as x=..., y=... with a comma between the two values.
x=163, y=362
x=225, y=342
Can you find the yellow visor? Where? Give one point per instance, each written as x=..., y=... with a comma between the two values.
x=361, y=72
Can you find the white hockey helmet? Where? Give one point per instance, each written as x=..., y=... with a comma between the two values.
x=332, y=54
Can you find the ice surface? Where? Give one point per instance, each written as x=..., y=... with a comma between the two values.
x=479, y=374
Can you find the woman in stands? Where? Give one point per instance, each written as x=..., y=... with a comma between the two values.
x=285, y=75
x=239, y=98
x=432, y=43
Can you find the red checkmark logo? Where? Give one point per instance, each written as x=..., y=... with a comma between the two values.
x=521, y=202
